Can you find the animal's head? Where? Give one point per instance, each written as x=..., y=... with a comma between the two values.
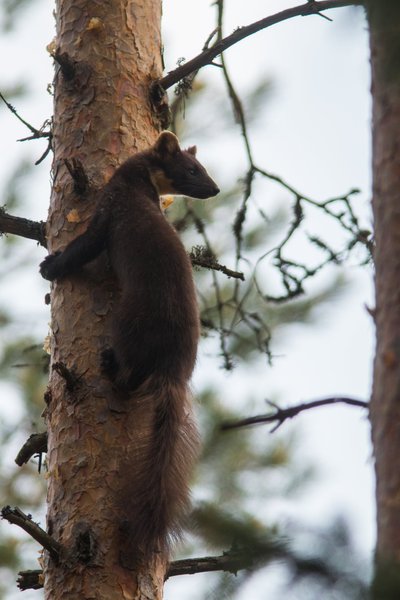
x=178, y=171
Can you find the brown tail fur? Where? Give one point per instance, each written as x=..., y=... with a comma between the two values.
x=156, y=498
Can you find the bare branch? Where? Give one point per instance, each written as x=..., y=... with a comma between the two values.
x=207, y=56
x=30, y=580
x=228, y=365
x=202, y=257
x=18, y=517
x=229, y=308
x=32, y=129
x=35, y=444
x=217, y=267
x=281, y=414
x=36, y=133
x=232, y=561
x=229, y=561
x=294, y=273
x=45, y=153
x=33, y=230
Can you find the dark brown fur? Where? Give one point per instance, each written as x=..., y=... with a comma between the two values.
x=155, y=327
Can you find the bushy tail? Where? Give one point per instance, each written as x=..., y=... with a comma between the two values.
x=159, y=492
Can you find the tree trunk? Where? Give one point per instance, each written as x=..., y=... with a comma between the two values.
x=384, y=21
x=106, y=54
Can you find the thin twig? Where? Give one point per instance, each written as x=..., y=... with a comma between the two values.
x=228, y=365
x=230, y=306
x=211, y=263
x=17, y=517
x=281, y=414
x=46, y=152
x=36, y=133
x=32, y=129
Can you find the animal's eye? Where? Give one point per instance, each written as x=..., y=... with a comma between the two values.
x=193, y=171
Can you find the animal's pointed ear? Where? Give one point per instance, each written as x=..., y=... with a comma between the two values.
x=167, y=143
x=192, y=150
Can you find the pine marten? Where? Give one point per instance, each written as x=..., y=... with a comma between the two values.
x=155, y=324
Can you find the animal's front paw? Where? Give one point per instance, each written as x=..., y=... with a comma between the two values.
x=50, y=267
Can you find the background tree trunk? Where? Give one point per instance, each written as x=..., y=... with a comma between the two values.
x=107, y=53
x=384, y=21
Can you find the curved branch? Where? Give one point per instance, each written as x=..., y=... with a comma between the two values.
x=33, y=230
x=281, y=414
x=35, y=444
x=207, y=56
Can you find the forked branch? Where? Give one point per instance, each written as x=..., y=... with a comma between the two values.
x=36, y=133
x=280, y=415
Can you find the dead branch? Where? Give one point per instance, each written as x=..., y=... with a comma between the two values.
x=281, y=414
x=217, y=267
x=202, y=257
x=30, y=580
x=33, y=230
x=35, y=444
x=17, y=517
x=207, y=56
x=228, y=561
x=36, y=133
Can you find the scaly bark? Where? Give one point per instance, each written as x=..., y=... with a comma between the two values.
x=384, y=22
x=107, y=54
